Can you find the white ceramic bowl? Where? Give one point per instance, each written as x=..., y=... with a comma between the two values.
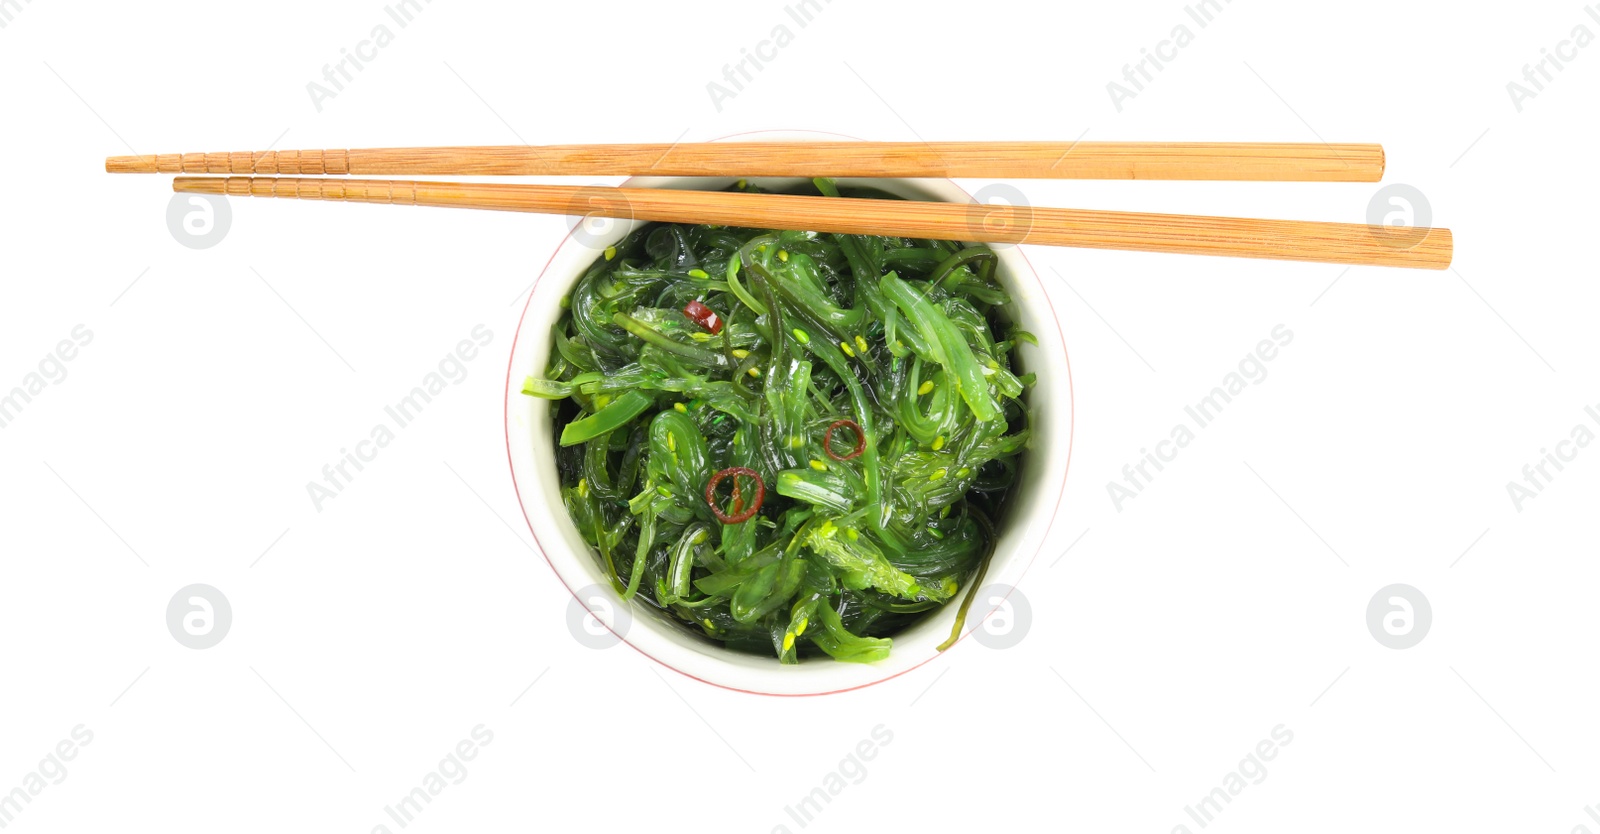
x=1027, y=521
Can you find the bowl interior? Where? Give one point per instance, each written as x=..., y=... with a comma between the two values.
x=1022, y=530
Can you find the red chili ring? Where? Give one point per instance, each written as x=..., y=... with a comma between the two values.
x=861, y=439
x=704, y=316
x=739, y=515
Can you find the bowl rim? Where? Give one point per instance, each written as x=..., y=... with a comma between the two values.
x=974, y=622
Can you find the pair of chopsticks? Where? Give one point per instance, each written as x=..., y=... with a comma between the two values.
x=1342, y=243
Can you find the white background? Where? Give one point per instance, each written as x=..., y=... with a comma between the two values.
x=369, y=638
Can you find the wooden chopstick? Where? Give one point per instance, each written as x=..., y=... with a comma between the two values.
x=1290, y=240
x=990, y=160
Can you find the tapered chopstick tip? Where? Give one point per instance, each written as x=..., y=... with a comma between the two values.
x=200, y=185
x=131, y=164
x=1436, y=249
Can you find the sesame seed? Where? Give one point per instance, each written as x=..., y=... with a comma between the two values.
x=740, y=353
x=680, y=408
x=698, y=273
x=938, y=474
x=801, y=336
x=925, y=388
x=938, y=443
x=611, y=252
x=783, y=255
x=861, y=344
x=845, y=346
x=819, y=466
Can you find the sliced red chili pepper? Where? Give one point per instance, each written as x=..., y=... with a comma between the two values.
x=740, y=513
x=704, y=316
x=861, y=440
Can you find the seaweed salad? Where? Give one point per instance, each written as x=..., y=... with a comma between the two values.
x=788, y=442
